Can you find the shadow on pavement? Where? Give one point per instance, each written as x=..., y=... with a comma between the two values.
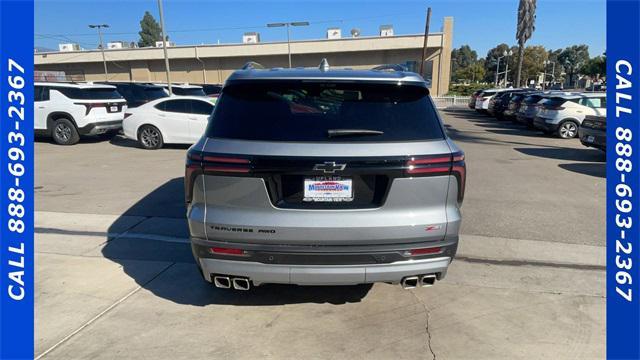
x=569, y=154
x=122, y=141
x=592, y=169
x=181, y=282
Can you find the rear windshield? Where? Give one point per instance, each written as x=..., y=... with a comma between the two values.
x=153, y=93
x=188, y=91
x=555, y=101
x=89, y=94
x=307, y=111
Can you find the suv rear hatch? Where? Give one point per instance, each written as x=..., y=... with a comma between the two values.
x=326, y=163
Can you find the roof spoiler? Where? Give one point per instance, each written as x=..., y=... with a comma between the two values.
x=252, y=65
x=390, y=67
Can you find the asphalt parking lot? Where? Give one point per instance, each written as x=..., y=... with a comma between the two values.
x=115, y=278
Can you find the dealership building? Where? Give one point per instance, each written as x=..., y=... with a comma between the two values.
x=212, y=64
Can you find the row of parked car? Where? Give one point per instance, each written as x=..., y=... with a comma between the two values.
x=146, y=112
x=563, y=114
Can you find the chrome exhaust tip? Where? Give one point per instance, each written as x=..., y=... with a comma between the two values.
x=241, y=284
x=409, y=282
x=427, y=280
x=222, y=282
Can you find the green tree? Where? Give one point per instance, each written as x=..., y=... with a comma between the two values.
x=473, y=73
x=149, y=31
x=533, y=62
x=595, y=67
x=524, y=31
x=461, y=59
x=572, y=60
x=491, y=62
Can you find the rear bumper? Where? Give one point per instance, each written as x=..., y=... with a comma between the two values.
x=100, y=127
x=323, y=265
x=260, y=273
x=593, y=138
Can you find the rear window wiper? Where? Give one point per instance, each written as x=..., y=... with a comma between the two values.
x=352, y=132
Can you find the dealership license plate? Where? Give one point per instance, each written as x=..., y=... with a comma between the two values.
x=114, y=108
x=328, y=189
x=590, y=138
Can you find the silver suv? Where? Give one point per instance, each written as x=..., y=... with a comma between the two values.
x=324, y=177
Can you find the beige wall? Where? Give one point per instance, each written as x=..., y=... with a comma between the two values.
x=214, y=64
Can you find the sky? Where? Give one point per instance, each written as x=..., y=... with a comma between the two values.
x=479, y=24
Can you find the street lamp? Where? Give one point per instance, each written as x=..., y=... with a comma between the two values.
x=287, y=24
x=104, y=60
x=504, y=54
x=544, y=72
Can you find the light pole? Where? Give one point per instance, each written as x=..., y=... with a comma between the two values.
x=506, y=71
x=164, y=47
x=287, y=24
x=104, y=60
x=504, y=54
x=544, y=72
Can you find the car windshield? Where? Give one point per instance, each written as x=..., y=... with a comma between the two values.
x=311, y=111
x=153, y=93
x=89, y=93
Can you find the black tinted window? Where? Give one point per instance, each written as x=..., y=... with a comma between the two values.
x=201, y=107
x=305, y=111
x=41, y=93
x=89, y=94
x=153, y=93
x=179, y=106
x=188, y=91
x=212, y=89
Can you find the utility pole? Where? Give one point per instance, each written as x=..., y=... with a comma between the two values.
x=426, y=39
x=498, y=69
x=104, y=59
x=164, y=47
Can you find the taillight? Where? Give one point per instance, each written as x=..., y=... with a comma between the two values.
x=90, y=106
x=435, y=165
x=200, y=163
x=228, y=251
x=424, y=251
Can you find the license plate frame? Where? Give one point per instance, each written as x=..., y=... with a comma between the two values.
x=114, y=108
x=590, y=138
x=328, y=189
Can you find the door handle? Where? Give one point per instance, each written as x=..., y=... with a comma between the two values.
x=162, y=115
x=193, y=118
x=40, y=107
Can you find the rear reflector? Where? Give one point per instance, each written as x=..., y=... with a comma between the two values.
x=228, y=251
x=425, y=251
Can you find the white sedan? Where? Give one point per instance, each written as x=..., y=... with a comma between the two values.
x=170, y=120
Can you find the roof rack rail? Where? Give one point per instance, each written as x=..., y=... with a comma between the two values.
x=252, y=65
x=390, y=67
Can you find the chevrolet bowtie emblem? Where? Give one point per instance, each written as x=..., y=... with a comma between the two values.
x=329, y=167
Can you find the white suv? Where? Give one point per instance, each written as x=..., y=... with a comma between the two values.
x=67, y=110
x=483, y=99
x=562, y=114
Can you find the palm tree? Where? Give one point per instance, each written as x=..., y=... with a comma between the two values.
x=526, y=26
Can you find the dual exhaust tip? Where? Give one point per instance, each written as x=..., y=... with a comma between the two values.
x=412, y=282
x=227, y=282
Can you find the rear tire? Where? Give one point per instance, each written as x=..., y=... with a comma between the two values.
x=149, y=137
x=64, y=132
x=567, y=129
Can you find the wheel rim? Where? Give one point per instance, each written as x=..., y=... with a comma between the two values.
x=63, y=132
x=568, y=130
x=150, y=137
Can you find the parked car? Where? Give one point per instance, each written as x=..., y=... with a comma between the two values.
x=483, y=99
x=184, y=89
x=563, y=114
x=513, y=106
x=138, y=94
x=593, y=132
x=346, y=179
x=66, y=111
x=501, y=102
x=170, y=120
x=528, y=109
x=472, y=99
